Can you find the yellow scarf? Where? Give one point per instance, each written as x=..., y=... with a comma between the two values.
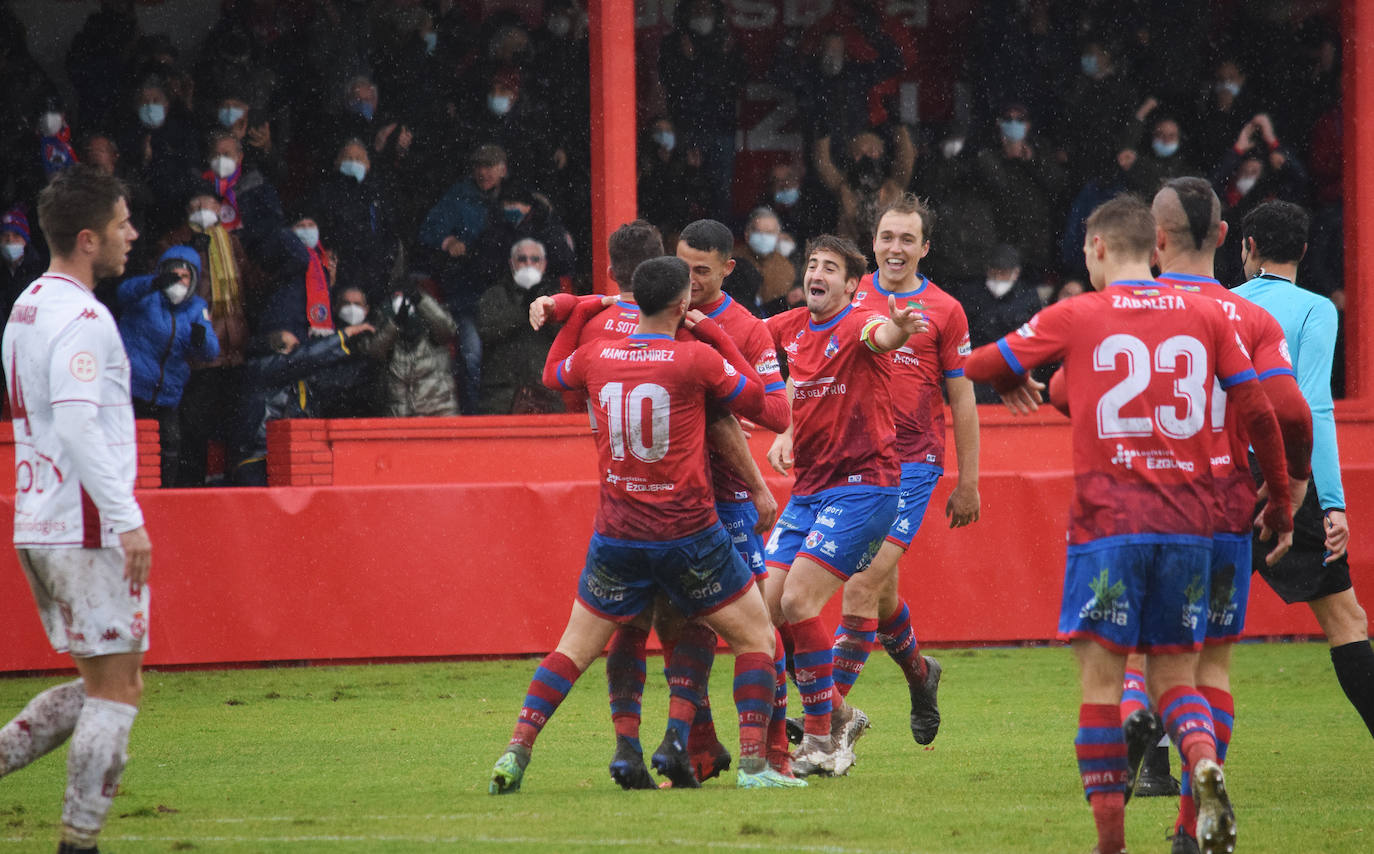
x=224, y=275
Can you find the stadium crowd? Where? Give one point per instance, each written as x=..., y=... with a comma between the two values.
x=412, y=175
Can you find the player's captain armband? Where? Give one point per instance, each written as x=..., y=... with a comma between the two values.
x=870, y=327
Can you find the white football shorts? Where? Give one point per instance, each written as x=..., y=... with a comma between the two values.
x=84, y=601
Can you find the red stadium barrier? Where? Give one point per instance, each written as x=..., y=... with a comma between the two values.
x=463, y=537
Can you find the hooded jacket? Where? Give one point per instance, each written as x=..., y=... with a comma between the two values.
x=160, y=337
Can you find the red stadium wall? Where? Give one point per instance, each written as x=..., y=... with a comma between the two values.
x=463, y=537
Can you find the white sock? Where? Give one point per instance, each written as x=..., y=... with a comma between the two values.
x=44, y=724
x=94, y=765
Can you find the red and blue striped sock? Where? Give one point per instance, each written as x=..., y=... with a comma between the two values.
x=1223, y=707
x=1134, y=697
x=553, y=679
x=777, y=727
x=815, y=664
x=625, y=673
x=755, y=681
x=853, y=639
x=1188, y=720
x=899, y=639
x=1101, y=750
x=688, y=667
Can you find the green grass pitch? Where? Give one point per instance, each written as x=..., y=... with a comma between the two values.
x=395, y=757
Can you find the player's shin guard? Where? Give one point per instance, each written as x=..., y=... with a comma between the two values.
x=755, y=681
x=46, y=722
x=625, y=674
x=815, y=664
x=1354, y=663
x=853, y=639
x=1101, y=749
x=1134, y=697
x=899, y=639
x=552, y=681
x=95, y=763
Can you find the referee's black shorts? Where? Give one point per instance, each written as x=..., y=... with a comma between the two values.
x=1300, y=575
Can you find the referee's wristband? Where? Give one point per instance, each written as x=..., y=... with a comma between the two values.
x=1328, y=511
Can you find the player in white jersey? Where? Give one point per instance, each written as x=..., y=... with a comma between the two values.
x=77, y=528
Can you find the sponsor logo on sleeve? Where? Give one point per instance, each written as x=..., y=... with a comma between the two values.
x=729, y=368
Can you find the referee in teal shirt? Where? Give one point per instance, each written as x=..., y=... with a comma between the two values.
x=1316, y=570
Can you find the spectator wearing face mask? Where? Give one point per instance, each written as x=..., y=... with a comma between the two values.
x=159, y=148
x=251, y=127
x=702, y=72
x=355, y=213
x=510, y=116
x=165, y=326
x=1163, y=158
x=20, y=261
x=355, y=388
x=1257, y=168
x=513, y=353
x=672, y=189
x=246, y=198
x=302, y=272
x=1024, y=187
x=231, y=285
x=801, y=202
x=998, y=304
x=55, y=151
x=762, y=274
x=871, y=174
x=1227, y=108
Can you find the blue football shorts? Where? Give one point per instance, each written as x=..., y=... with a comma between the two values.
x=841, y=529
x=918, y=482
x=1138, y=592
x=1230, y=587
x=699, y=574
x=739, y=519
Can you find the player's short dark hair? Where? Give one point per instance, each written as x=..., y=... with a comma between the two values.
x=629, y=246
x=855, y=264
x=79, y=198
x=909, y=203
x=1125, y=224
x=1201, y=209
x=1279, y=229
x=708, y=235
x=660, y=282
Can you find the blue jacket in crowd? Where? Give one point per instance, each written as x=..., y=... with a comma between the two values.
x=160, y=337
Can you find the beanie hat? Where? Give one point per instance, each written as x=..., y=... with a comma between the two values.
x=17, y=222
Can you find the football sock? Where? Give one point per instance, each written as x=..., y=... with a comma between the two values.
x=95, y=762
x=46, y=722
x=1133, y=694
x=777, y=727
x=815, y=662
x=1188, y=720
x=755, y=681
x=625, y=674
x=1223, y=707
x=853, y=639
x=700, y=642
x=1354, y=663
x=553, y=679
x=900, y=642
x=689, y=669
x=1101, y=750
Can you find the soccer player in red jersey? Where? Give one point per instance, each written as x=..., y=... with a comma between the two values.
x=1189, y=229
x=848, y=474
x=872, y=606
x=656, y=527
x=1139, y=364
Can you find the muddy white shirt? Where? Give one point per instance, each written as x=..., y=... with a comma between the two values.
x=75, y=448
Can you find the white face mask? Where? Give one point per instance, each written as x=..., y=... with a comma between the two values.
x=229, y=116
x=203, y=218
x=176, y=293
x=999, y=287
x=50, y=124
x=1245, y=185
x=951, y=147
x=527, y=277
x=763, y=243
x=355, y=169
x=13, y=251
x=786, y=246
x=352, y=314
x=499, y=104
x=310, y=236
x=223, y=166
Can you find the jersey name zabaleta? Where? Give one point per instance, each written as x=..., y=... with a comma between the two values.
x=648, y=396
x=1263, y=339
x=756, y=345
x=843, y=430
x=1140, y=359
x=919, y=366
x=62, y=348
